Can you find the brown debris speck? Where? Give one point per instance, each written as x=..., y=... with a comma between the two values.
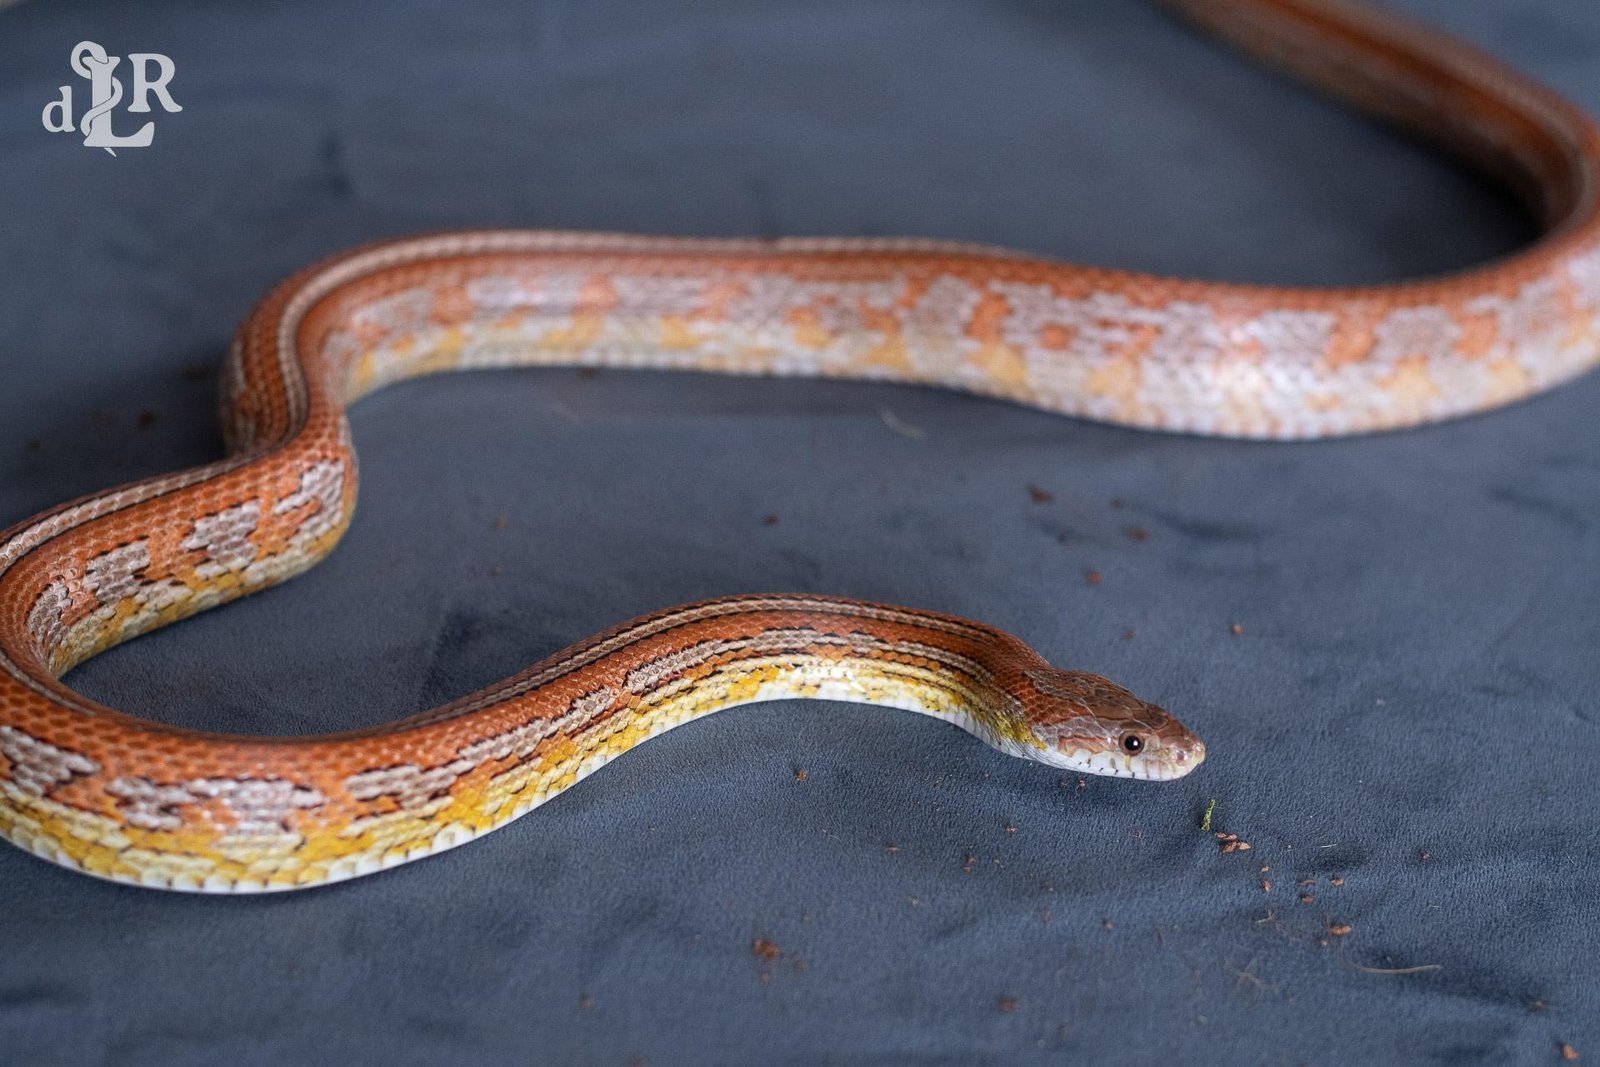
x=800, y=774
x=1094, y=577
x=1007, y=1004
x=1040, y=496
x=967, y=866
x=765, y=950
x=1010, y=829
x=1236, y=629
x=891, y=848
x=1306, y=898
x=1231, y=843
x=1266, y=886
x=1339, y=929
x=1137, y=533
x=769, y=519
x=1567, y=1051
x=1107, y=924
x=1336, y=880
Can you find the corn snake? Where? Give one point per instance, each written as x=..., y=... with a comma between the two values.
x=140, y=802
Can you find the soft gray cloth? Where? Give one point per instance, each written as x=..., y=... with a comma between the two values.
x=1409, y=707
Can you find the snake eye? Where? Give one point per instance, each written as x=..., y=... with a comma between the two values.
x=1132, y=744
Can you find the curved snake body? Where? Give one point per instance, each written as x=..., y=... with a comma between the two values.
x=137, y=801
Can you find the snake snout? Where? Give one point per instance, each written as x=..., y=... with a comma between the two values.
x=1178, y=758
x=1189, y=754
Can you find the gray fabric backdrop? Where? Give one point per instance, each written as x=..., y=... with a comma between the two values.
x=1410, y=706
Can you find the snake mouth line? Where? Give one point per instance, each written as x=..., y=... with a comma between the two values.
x=1147, y=769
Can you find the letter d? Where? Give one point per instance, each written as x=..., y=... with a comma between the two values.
x=63, y=108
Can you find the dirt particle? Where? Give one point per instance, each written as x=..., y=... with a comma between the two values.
x=1336, y=880
x=765, y=950
x=968, y=865
x=1236, y=629
x=891, y=849
x=1567, y=1051
x=1094, y=577
x=586, y=1002
x=1230, y=842
x=1306, y=898
x=1010, y=829
x=769, y=519
x=1107, y=924
x=1339, y=929
x=1039, y=495
x=1266, y=886
x=1137, y=533
x=800, y=774
x=1007, y=1004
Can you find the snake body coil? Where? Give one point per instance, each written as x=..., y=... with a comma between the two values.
x=123, y=798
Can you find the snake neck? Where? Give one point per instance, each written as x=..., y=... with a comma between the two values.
x=325, y=809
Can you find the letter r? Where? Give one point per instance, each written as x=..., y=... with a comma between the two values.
x=143, y=84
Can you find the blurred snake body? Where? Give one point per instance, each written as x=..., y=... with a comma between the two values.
x=137, y=801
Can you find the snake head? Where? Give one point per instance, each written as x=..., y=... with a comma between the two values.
x=1089, y=724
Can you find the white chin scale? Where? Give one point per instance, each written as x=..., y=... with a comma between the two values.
x=1109, y=764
